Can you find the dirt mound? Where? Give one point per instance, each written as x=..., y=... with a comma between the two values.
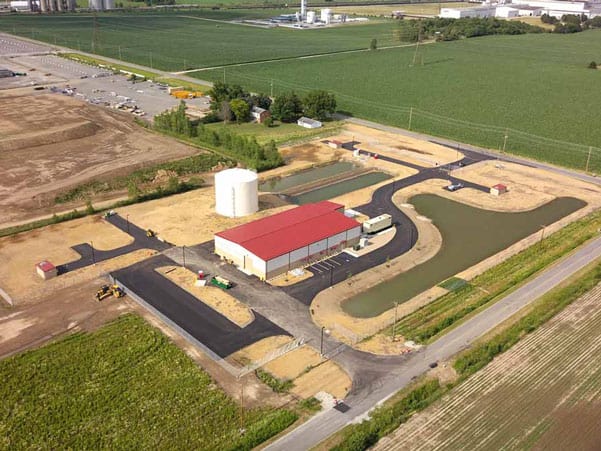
x=51, y=136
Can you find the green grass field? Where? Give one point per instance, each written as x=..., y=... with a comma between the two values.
x=529, y=94
x=175, y=41
x=125, y=386
x=534, y=89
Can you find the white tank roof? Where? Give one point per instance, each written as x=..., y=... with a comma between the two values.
x=236, y=192
x=237, y=175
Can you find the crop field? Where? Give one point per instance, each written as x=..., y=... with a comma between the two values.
x=530, y=88
x=530, y=94
x=176, y=41
x=544, y=393
x=125, y=386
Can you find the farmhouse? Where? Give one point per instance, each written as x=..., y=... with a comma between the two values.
x=259, y=114
x=271, y=246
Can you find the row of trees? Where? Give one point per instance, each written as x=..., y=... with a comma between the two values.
x=247, y=149
x=452, y=29
x=232, y=102
x=571, y=23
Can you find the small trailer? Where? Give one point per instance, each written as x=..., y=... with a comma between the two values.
x=221, y=282
x=374, y=225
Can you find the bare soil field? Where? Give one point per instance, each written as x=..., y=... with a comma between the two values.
x=544, y=393
x=51, y=142
x=412, y=150
x=19, y=254
x=190, y=218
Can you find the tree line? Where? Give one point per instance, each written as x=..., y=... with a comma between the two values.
x=571, y=23
x=246, y=149
x=233, y=103
x=443, y=29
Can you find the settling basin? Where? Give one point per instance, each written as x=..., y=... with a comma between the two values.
x=469, y=236
x=339, y=188
x=306, y=176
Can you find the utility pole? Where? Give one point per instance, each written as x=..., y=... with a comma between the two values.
x=94, y=32
x=416, y=54
x=224, y=75
x=93, y=256
x=505, y=140
x=410, y=117
x=120, y=53
x=588, y=159
x=321, y=342
x=151, y=60
x=396, y=304
x=271, y=88
x=184, y=254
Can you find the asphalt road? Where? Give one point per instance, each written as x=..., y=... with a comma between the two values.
x=90, y=255
x=327, y=423
x=212, y=329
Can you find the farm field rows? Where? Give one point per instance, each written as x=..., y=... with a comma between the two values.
x=544, y=393
x=180, y=40
x=458, y=89
x=123, y=386
x=462, y=91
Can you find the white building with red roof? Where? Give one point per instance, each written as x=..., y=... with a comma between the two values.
x=294, y=238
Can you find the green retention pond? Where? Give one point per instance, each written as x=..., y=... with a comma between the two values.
x=339, y=188
x=307, y=176
x=469, y=235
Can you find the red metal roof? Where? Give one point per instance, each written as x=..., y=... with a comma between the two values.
x=500, y=186
x=284, y=232
x=45, y=266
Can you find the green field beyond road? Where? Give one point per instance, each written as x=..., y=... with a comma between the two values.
x=532, y=95
x=534, y=89
x=179, y=40
x=125, y=386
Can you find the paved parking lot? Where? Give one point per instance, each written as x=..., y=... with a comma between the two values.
x=10, y=45
x=331, y=263
x=91, y=84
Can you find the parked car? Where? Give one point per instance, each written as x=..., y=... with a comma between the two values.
x=455, y=186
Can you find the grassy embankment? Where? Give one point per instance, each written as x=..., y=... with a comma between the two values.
x=434, y=319
x=422, y=393
x=123, y=68
x=123, y=386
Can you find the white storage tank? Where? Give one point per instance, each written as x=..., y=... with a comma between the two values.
x=109, y=4
x=326, y=15
x=236, y=192
x=310, y=16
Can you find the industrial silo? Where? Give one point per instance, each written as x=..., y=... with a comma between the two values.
x=109, y=4
x=96, y=5
x=236, y=192
x=310, y=16
x=326, y=15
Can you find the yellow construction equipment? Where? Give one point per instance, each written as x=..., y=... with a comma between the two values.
x=109, y=290
x=150, y=233
x=185, y=94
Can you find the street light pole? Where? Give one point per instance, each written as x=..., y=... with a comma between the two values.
x=93, y=256
x=184, y=254
x=127, y=219
x=321, y=341
x=331, y=276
